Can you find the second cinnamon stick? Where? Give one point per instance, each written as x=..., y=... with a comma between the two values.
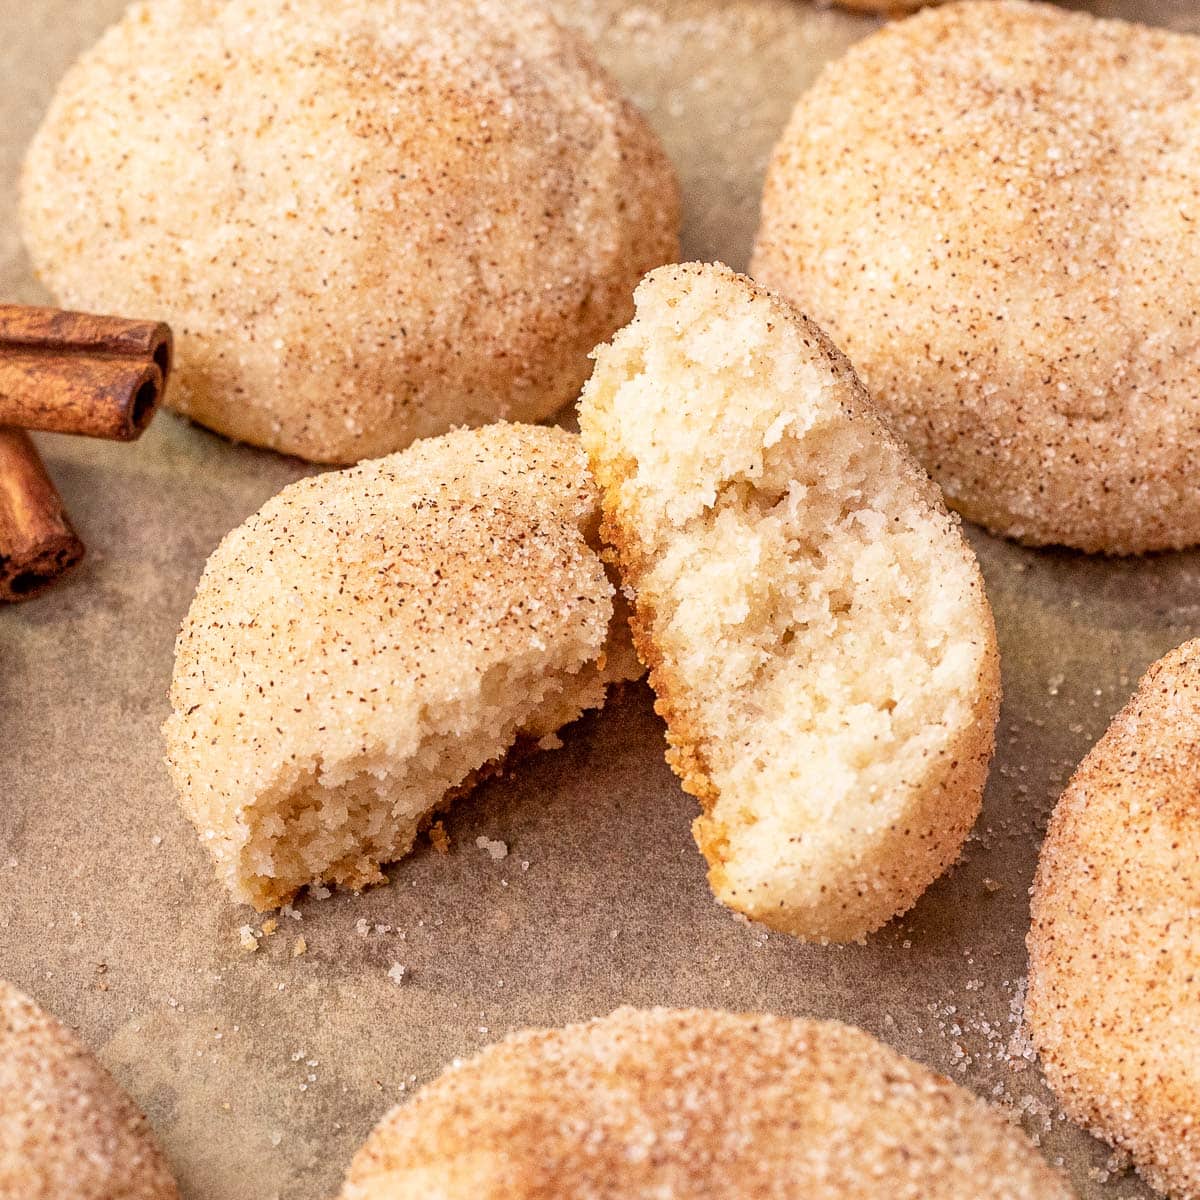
x=37, y=543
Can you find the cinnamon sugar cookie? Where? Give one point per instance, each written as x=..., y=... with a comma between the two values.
x=371, y=639
x=814, y=622
x=991, y=208
x=1114, y=951
x=368, y=221
x=702, y=1105
x=66, y=1128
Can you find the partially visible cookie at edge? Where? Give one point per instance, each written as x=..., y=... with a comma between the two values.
x=704, y=1105
x=886, y=8
x=1113, y=1000
x=66, y=1127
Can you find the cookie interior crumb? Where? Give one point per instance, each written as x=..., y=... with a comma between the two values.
x=814, y=621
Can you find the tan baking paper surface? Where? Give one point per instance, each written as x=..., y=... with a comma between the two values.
x=263, y=1071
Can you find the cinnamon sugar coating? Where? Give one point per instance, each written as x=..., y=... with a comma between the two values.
x=367, y=220
x=991, y=208
x=695, y=1105
x=1114, y=950
x=66, y=1128
x=370, y=640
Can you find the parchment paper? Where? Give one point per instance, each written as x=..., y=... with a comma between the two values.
x=262, y=1071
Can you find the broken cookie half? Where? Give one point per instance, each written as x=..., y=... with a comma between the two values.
x=813, y=619
x=371, y=640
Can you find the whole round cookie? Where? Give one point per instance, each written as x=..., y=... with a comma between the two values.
x=703, y=1105
x=1113, y=1000
x=66, y=1128
x=990, y=207
x=367, y=220
x=370, y=640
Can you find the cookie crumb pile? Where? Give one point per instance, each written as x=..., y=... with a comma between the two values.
x=66, y=1128
x=700, y=1104
x=991, y=208
x=367, y=221
x=1114, y=951
x=814, y=622
x=372, y=639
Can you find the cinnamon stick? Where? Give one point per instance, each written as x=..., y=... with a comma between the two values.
x=37, y=543
x=68, y=372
